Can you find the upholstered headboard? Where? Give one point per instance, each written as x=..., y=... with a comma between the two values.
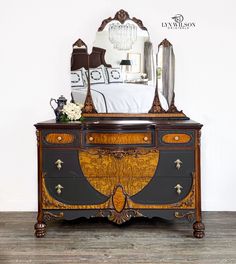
x=80, y=58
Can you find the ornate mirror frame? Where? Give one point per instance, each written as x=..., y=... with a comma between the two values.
x=89, y=110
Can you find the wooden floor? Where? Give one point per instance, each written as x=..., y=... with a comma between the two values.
x=99, y=241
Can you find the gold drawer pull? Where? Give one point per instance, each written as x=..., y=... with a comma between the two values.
x=145, y=139
x=178, y=164
x=176, y=138
x=59, y=164
x=59, y=188
x=59, y=138
x=178, y=188
x=91, y=139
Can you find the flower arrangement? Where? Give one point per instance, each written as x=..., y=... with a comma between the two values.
x=71, y=112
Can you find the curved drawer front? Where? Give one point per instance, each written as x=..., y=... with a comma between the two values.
x=119, y=138
x=164, y=190
x=185, y=138
x=73, y=191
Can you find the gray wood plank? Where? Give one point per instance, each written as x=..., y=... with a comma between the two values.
x=99, y=241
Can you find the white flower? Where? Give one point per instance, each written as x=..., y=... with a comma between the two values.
x=73, y=111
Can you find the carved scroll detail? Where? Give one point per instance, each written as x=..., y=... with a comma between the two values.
x=121, y=16
x=189, y=216
x=88, y=104
x=47, y=216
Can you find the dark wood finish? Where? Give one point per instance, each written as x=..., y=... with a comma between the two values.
x=121, y=16
x=124, y=179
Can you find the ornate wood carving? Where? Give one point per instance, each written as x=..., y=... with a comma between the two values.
x=121, y=16
x=40, y=229
x=47, y=216
x=165, y=43
x=37, y=137
x=172, y=107
x=124, y=216
x=88, y=104
x=79, y=44
x=156, y=105
x=198, y=229
x=189, y=216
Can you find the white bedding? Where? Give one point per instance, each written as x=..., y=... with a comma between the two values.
x=120, y=97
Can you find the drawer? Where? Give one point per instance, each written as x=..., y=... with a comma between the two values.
x=164, y=190
x=61, y=163
x=73, y=191
x=55, y=138
x=179, y=163
x=176, y=137
x=119, y=138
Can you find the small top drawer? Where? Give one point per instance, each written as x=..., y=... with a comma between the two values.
x=176, y=137
x=60, y=138
x=121, y=138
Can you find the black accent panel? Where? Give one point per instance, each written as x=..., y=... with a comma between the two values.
x=167, y=165
x=161, y=190
x=74, y=214
x=70, y=166
x=75, y=191
x=161, y=133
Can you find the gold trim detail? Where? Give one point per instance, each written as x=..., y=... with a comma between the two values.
x=186, y=203
x=48, y=202
x=47, y=216
x=124, y=216
x=189, y=215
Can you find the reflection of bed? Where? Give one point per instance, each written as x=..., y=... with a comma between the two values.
x=120, y=97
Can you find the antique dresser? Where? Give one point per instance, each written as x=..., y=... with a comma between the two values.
x=120, y=165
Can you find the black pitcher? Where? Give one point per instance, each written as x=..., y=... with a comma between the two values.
x=61, y=101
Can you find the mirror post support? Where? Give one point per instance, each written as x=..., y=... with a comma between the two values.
x=89, y=107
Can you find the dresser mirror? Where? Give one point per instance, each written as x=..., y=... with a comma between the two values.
x=122, y=77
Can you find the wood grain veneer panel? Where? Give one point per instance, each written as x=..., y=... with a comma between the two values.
x=116, y=138
x=105, y=172
x=176, y=138
x=59, y=138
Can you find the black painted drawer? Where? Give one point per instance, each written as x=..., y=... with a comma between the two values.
x=169, y=160
x=176, y=137
x=163, y=190
x=73, y=191
x=60, y=138
x=61, y=163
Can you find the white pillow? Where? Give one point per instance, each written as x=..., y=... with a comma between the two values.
x=114, y=75
x=97, y=75
x=77, y=79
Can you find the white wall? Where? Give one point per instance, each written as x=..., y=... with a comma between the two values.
x=35, y=46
